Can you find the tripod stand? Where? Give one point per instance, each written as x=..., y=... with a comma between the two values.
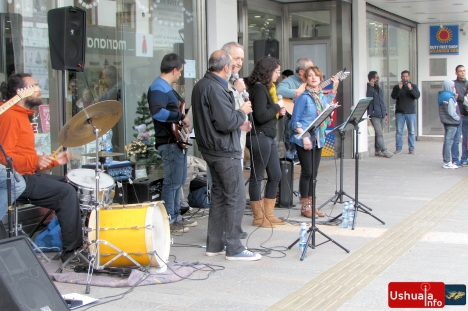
x=353, y=120
x=313, y=228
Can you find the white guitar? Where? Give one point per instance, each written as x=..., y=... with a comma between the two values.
x=20, y=94
x=341, y=75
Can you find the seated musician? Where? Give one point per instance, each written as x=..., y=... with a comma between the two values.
x=18, y=141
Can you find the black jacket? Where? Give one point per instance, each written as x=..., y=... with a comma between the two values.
x=377, y=106
x=215, y=120
x=264, y=110
x=460, y=87
x=405, y=98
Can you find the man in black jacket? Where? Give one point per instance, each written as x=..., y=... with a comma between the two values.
x=217, y=126
x=460, y=89
x=377, y=113
x=406, y=94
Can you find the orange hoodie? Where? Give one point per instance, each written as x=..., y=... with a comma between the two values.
x=18, y=141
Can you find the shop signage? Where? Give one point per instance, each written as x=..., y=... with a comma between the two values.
x=444, y=40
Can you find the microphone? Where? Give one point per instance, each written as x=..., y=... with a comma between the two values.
x=245, y=96
x=280, y=97
x=234, y=77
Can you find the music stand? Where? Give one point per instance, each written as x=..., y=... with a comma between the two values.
x=352, y=122
x=313, y=229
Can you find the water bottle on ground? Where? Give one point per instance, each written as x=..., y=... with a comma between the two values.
x=302, y=239
x=350, y=214
x=344, y=216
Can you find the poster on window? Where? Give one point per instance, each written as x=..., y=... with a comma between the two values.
x=45, y=118
x=144, y=45
x=444, y=40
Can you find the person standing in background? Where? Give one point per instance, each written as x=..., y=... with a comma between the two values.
x=164, y=106
x=291, y=88
x=237, y=86
x=308, y=106
x=218, y=124
x=261, y=142
x=462, y=131
x=377, y=112
x=405, y=93
x=450, y=118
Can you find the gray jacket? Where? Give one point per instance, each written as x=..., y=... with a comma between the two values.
x=216, y=121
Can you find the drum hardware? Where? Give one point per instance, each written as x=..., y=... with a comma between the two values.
x=88, y=124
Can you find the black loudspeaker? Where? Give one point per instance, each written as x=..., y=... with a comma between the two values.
x=268, y=47
x=285, y=197
x=144, y=189
x=67, y=38
x=24, y=283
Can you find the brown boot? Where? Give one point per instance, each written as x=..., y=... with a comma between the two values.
x=317, y=212
x=259, y=219
x=269, y=206
x=306, y=209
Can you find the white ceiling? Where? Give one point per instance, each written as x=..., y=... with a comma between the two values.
x=421, y=11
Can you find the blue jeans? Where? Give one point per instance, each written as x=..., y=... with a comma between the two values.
x=17, y=189
x=175, y=170
x=456, y=144
x=227, y=205
x=464, y=121
x=449, y=135
x=410, y=120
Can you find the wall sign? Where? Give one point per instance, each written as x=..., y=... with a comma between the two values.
x=444, y=40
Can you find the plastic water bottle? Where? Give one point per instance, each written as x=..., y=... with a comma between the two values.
x=350, y=214
x=302, y=239
x=344, y=216
x=107, y=140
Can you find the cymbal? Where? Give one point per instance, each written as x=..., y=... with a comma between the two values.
x=78, y=131
x=102, y=154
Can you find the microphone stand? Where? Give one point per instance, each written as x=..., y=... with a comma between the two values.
x=313, y=228
x=12, y=216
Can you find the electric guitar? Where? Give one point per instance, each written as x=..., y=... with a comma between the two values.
x=180, y=132
x=341, y=75
x=21, y=93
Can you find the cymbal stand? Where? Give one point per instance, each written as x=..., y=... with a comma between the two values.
x=94, y=254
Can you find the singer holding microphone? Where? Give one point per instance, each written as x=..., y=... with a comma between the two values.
x=261, y=141
x=309, y=149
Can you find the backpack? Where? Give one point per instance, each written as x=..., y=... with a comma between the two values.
x=199, y=198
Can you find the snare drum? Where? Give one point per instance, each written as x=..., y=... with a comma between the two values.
x=141, y=231
x=84, y=180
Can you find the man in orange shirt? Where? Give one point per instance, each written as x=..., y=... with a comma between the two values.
x=17, y=138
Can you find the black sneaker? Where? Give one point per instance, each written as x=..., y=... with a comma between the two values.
x=178, y=228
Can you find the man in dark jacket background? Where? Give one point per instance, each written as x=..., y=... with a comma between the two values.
x=217, y=126
x=460, y=89
x=406, y=94
x=377, y=112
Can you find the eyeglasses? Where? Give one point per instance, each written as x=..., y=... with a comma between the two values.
x=278, y=71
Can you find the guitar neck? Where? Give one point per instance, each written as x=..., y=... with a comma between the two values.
x=9, y=104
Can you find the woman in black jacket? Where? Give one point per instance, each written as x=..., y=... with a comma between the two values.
x=261, y=141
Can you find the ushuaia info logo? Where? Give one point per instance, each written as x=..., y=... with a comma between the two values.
x=416, y=295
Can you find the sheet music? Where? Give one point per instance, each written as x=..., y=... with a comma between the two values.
x=320, y=118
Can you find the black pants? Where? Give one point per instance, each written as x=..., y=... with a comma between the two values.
x=53, y=192
x=263, y=156
x=308, y=159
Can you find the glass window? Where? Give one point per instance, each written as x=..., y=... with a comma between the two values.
x=125, y=43
x=310, y=24
x=262, y=27
x=388, y=49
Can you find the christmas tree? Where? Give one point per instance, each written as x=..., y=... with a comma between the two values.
x=144, y=118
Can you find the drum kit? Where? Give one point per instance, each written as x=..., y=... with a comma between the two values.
x=132, y=235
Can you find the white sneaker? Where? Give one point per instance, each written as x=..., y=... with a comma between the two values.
x=449, y=165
